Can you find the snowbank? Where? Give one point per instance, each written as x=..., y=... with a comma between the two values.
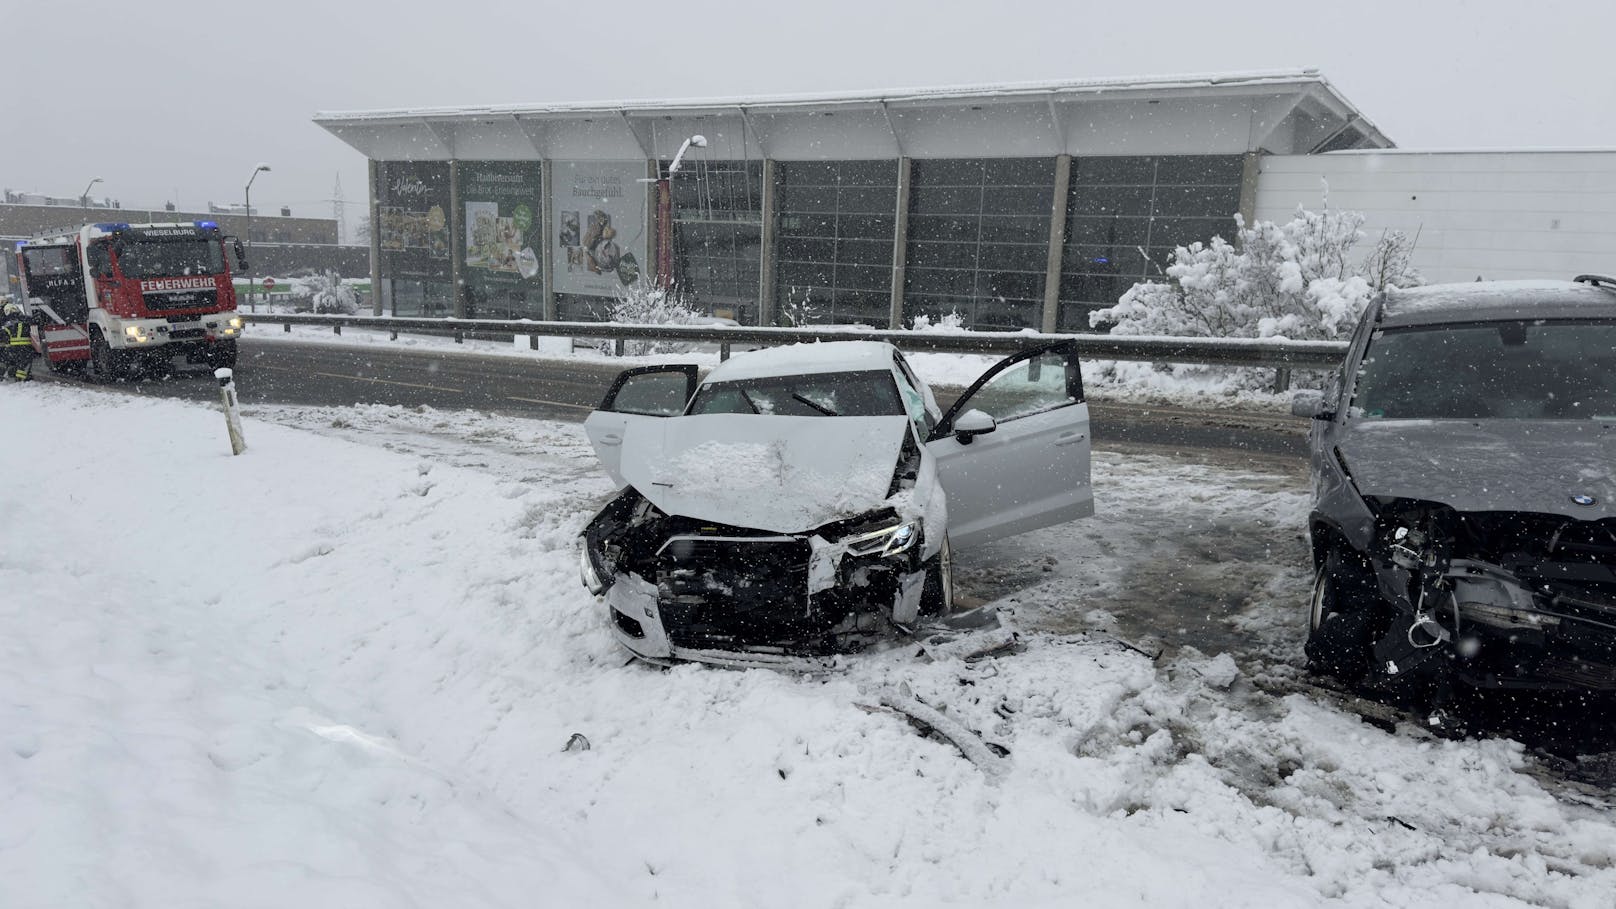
x=327, y=673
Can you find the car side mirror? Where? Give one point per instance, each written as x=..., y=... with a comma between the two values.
x=1310, y=403
x=971, y=424
x=241, y=254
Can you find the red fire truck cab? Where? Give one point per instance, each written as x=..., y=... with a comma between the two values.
x=128, y=298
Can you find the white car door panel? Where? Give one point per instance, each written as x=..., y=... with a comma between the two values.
x=606, y=430
x=1033, y=469
x=638, y=395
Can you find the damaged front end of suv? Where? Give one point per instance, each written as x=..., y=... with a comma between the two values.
x=1464, y=520
x=1494, y=599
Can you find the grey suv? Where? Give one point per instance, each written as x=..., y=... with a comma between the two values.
x=1464, y=471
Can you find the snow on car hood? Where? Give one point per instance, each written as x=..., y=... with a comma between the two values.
x=775, y=473
x=1494, y=465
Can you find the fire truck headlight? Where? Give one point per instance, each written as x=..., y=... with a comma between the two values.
x=132, y=331
x=235, y=322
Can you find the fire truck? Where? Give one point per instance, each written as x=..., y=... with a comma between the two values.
x=127, y=299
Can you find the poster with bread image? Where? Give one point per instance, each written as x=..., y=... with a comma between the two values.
x=600, y=225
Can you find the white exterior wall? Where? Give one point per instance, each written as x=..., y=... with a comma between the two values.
x=1496, y=215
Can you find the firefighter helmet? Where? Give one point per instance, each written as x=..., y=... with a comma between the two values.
x=13, y=308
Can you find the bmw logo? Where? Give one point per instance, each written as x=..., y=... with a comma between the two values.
x=1584, y=499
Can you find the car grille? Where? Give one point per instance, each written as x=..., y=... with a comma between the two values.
x=734, y=590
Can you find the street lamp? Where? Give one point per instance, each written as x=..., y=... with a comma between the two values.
x=665, y=212
x=252, y=283
x=84, y=197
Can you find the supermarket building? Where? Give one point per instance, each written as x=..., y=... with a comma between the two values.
x=1018, y=206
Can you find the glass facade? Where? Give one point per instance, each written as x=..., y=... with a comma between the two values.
x=833, y=239
x=718, y=235
x=979, y=240
x=1124, y=216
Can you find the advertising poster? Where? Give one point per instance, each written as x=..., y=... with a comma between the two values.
x=413, y=229
x=503, y=245
x=601, y=238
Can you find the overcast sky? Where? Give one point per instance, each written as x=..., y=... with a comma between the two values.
x=177, y=100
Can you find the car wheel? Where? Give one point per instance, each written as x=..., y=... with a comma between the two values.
x=937, y=596
x=110, y=365
x=1341, y=619
x=223, y=355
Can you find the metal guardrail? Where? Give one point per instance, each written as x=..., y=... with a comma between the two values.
x=1281, y=356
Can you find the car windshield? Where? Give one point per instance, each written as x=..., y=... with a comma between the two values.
x=1532, y=370
x=831, y=394
x=171, y=258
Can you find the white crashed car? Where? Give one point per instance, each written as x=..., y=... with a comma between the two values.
x=803, y=500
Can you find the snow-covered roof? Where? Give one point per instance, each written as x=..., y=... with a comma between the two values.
x=805, y=359
x=987, y=91
x=1282, y=111
x=1482, y=301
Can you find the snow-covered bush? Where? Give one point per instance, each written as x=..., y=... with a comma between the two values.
x=798, y=311
x=1297, y=280
x=1390, y=262
x=324, y=293
x=1293, y=280
x=951, y=322
x=643, y=303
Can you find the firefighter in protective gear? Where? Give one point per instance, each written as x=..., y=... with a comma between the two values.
x=21, y=341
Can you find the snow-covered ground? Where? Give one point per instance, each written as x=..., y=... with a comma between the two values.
x=1187, y=386
x=341, y=670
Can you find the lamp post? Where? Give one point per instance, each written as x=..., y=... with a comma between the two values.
x=252, y=283
x=664, y=257
x=84, y=197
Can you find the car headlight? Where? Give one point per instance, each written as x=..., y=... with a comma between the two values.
x=888, y=541
x=586, y=570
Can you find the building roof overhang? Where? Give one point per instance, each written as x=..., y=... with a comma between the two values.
x=1286, y=112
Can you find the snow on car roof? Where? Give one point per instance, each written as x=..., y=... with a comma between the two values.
x=805, y=359
x=1487, y=300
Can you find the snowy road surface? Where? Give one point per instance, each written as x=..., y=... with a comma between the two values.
x=340, y=671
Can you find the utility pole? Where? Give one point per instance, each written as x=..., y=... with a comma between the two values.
x=664, y=256
x=84, y=197
x=252, y=283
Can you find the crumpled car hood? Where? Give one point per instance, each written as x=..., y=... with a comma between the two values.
x=1493, y=465
x=775, y=473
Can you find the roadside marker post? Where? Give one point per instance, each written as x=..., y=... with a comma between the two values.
x=232, y=410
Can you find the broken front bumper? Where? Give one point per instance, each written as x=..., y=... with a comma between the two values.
x=636, y=623
x=1533, y=632
x=781, y=601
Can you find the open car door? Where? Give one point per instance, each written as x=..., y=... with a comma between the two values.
x=644, y=393
x=1013, y=452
